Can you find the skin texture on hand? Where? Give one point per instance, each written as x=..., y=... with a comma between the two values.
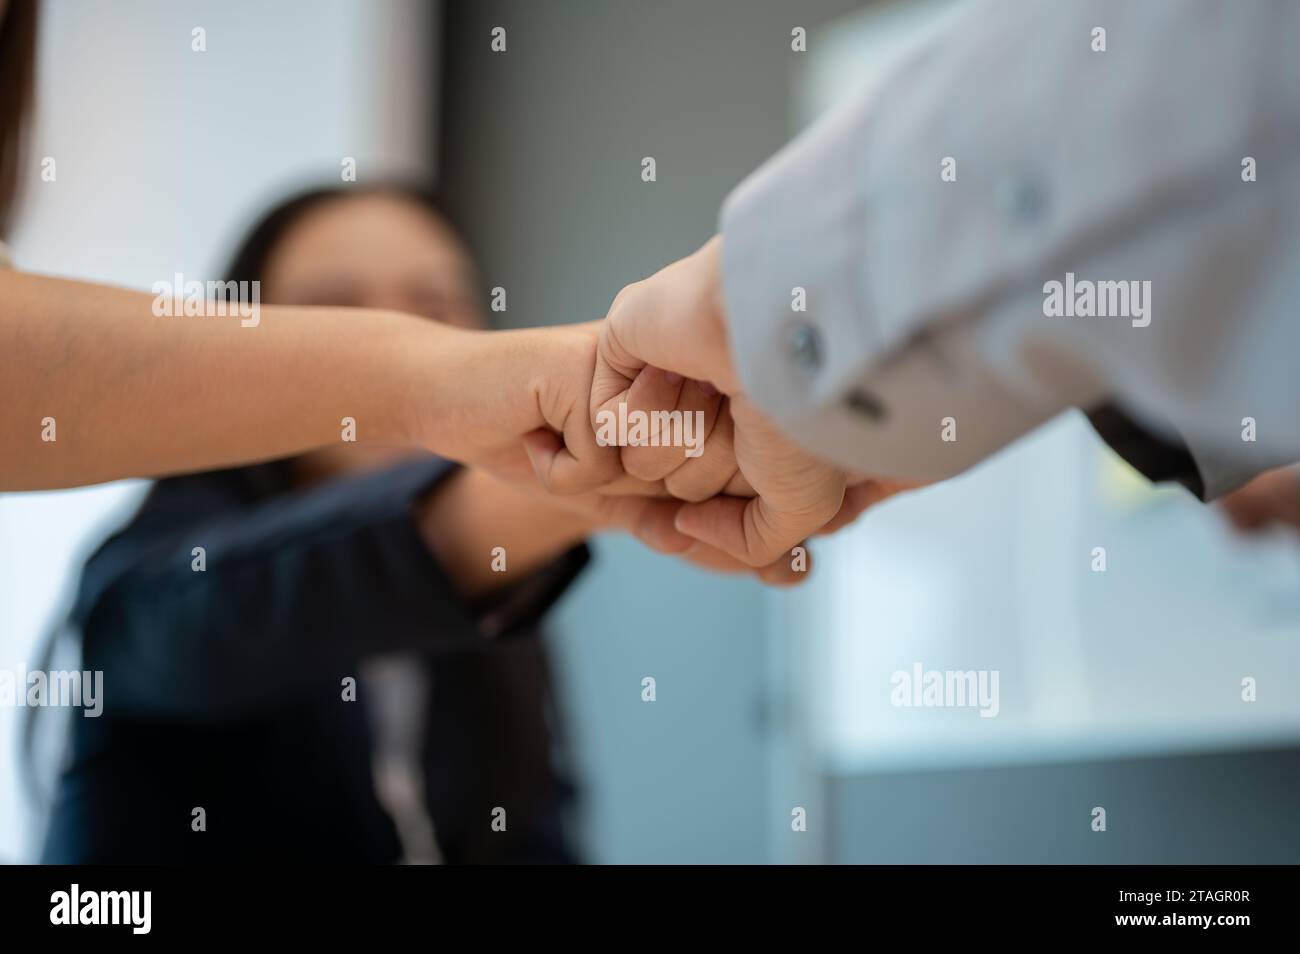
x=753, y=493
x=126, y=393
x=797, y=494
x=470, y=513
x=674, y=320
x=527, y=423
x=515, y=404
x=663, y=347
x=383, y=250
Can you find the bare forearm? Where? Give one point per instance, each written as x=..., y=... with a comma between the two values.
x=95, y=387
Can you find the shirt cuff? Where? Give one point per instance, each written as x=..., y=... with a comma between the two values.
x=506, y=612
x=517, y=609
x=905, y=270
x=808, y=343
x=793, y=274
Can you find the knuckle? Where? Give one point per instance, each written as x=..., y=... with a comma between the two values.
x=625, y=294
x=685, y=490
x=692, y=484
x=647, y=463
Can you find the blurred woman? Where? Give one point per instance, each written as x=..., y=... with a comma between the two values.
x=333, y=656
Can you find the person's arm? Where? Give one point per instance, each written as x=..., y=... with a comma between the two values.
x=94, y=386
x=291, y=591
x=474, y=513
x=780, y=494
x=882, y=286
x=927, y=299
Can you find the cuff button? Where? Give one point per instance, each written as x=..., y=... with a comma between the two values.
x=804, y=346
x=1022, y=198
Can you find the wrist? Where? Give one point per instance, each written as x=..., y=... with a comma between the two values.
x=461, y=393
x=407, y=381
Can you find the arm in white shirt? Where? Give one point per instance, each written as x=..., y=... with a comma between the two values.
x=926, y=298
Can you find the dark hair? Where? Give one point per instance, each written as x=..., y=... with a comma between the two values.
x=17, y=84
x=248, y=263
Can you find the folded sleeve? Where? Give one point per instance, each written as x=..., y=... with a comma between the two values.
x=885, y=274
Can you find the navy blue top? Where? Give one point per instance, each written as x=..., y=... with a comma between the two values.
x=223, y=689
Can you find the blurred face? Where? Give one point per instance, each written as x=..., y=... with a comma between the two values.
x=371, y=251
x=374, y=251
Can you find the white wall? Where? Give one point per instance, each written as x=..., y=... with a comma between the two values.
x=162, y=155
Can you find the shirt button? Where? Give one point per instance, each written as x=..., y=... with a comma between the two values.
x=1022, y=199
x=804, y=345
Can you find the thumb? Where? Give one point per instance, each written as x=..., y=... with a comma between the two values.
x=673, y=320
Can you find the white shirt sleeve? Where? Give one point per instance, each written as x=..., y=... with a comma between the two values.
x=929, y=309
